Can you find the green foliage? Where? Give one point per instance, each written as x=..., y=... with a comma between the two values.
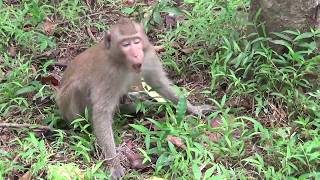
x=71, y=10
x=17, y=83
x=82, y=143
x=64, y=171
x=34, y=152
x=204, y=26
x=251, y=67
x=17, y=23
x=276, y=138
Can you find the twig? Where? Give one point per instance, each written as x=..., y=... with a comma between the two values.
x=45, y=54
x=62, y=65
x=91, y=35
x=31, y=126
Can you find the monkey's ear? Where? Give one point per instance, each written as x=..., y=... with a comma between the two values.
x=107, y=39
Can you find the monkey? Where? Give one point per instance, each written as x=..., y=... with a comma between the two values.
x=99, y=76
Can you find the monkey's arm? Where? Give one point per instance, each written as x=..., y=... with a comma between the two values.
x=102, y=117
x=154, y=75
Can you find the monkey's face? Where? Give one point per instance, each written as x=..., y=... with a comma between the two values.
x=132, y=48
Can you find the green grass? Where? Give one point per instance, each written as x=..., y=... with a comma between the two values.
x=267, y=121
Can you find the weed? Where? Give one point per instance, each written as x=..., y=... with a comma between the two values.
x=266, y=123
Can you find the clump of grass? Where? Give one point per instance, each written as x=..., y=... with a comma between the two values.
x=266, y=124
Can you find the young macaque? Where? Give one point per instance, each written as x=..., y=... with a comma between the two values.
x=99, y=76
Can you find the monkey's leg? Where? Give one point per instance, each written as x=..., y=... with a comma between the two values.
x=71, y=102
x=102, y=116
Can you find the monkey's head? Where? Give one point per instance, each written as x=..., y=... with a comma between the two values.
x=126, y=43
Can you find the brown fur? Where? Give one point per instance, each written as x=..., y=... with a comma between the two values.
x=126, y=27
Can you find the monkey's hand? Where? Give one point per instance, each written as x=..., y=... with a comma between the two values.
x=201, y=110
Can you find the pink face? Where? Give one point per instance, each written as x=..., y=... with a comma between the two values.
x=133, y=50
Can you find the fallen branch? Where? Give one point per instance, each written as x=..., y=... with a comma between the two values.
x=30, y=126
x=62, y=65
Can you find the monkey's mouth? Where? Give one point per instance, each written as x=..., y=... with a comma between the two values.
x=137, y=68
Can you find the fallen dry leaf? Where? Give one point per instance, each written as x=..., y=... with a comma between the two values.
x=159, y=48
x=12, y=51
x=215, y=122
x=129, y=3
x=187, y=50
x=175, y=45
x=26, y=176
x=135, y=160
x=130, y=144
x=180, y=18
x=33, y=68
x=152, y=93
x=50, y=80
x=214, y=136
x=170, y=20
x=48, y=26
x=176, y=141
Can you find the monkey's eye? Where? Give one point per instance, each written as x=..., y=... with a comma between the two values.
x=136, y=41
x=125, y=44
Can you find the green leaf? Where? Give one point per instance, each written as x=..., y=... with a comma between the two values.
x=291, y=32
x=147, y=141
x=157, y=17
x=257, y=125
x=283, y=36
x=145, y=155
x=43, y=45
x=196, y=171
x=172, y=10
x=157, y=124
x=283, y=43
x=181, y=109
x=140, y=128
x=223, y=100
x=209, y=172
x=127, y=10
x=97, y=166
x=25, y=90
x=189, y=1
x=305, y=35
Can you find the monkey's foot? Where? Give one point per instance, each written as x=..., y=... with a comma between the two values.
x=117, y=172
